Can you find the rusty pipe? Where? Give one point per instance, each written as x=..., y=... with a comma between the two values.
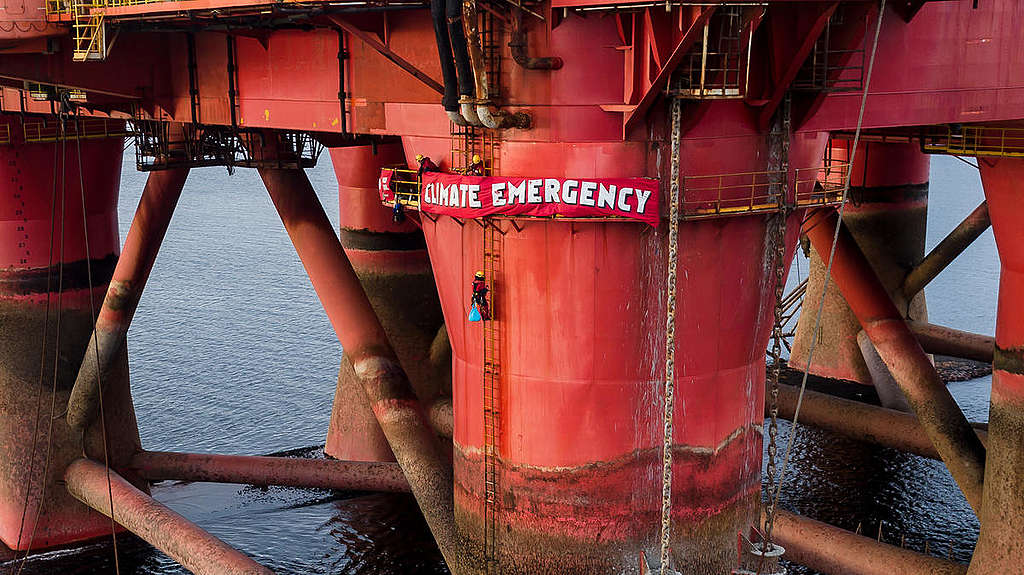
x=936, y=410
x=518, y=46
x=836, y=551
x=953, y=342
x=962, y=236
x=441, y=416
x=282, y=471
x=153, y=215
x=861, y=421
x=389, y=393
x=490, y=118
x=182, y=540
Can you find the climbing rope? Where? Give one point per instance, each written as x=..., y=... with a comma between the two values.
x=774, y=499
x=42, y=366
x=670, y=342
x=96, y=342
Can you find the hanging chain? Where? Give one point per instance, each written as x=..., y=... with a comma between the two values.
x=779, y=152
x=670, y=341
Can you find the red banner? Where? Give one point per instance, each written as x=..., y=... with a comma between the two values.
x=384, y=186
x=474, y=197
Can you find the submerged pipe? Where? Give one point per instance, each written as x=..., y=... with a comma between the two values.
x=153, y=215
x=281, y=471
x=947, y=250
x=861, y=421
x=182, y=540
x=943, y=340
x=387, y=387
x=836, y=551
x=936, y=410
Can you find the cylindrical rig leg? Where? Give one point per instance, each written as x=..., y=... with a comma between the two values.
x=282, y=471
x=1000, y=546
x=38, y=284
x=391, y=261
x=153, y=215
x=390, y=394
x=836, y=551
x=887, y=216
x=182, y=540
x=926, y=393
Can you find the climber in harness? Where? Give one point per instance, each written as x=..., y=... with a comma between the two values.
x=426, y=165
x=480, y=311
x=476, y=167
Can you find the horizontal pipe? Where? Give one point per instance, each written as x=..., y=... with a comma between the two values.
x=943, y=340
x=281, y=471
x=861, y=421
x=937, y=412
x=182, y=540
x=836, y=551
x=946, y=251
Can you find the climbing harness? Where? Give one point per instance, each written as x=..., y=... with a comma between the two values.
x=670, y=343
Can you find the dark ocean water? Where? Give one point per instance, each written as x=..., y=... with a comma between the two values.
x=231, y=353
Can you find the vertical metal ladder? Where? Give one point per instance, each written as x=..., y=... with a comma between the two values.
x=88, y=30
x=492, y=393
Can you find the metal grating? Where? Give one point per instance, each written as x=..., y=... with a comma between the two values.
x=198, y=146
x=714, y=67
x=832, y=66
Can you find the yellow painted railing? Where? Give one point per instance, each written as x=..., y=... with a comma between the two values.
x=974, y=141
x=37, y=131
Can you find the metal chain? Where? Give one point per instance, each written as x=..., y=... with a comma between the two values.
x=670, y=342
x=779, y=140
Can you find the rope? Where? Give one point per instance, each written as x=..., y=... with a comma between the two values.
x=42, y=369
x=828, y=270
x=670, y=344
x=96, y=346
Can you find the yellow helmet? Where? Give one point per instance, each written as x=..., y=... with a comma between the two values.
x=476, y=158
x=479, y=275
x=419, y=157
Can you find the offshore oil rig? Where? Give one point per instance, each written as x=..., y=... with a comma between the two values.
x=566, y=227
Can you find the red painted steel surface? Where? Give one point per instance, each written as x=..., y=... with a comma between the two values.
x=999, y=546
x=581, y=309
x=26, y=188
x=887, y=214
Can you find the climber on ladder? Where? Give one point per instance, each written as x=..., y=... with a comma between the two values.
x=476, y=167
x=483, y=310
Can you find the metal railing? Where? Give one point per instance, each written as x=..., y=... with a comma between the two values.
x=744, y=193
x=197, y=145
x=714, y=68
x=40, y=131
x=974, y=141
x=5, y=134
x=405, y=184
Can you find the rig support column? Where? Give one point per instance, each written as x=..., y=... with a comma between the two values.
x=886, y=215
x=940, y=416
x=1000, y=547
x=391, y=261
x=153, y=215
x=38, y=285
x=358, y=328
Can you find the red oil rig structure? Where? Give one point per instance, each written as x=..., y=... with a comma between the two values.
x=631, y=177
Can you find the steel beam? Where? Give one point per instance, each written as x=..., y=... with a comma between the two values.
x=182, y=540
x=152, y=217
x=282, y=471
x=953, y=342
x=947, y=250
x=861, y=421
x=937, y=411
x=359, y=330
x=835, y=551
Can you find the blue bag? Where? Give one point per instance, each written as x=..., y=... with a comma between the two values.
x=474, y=313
